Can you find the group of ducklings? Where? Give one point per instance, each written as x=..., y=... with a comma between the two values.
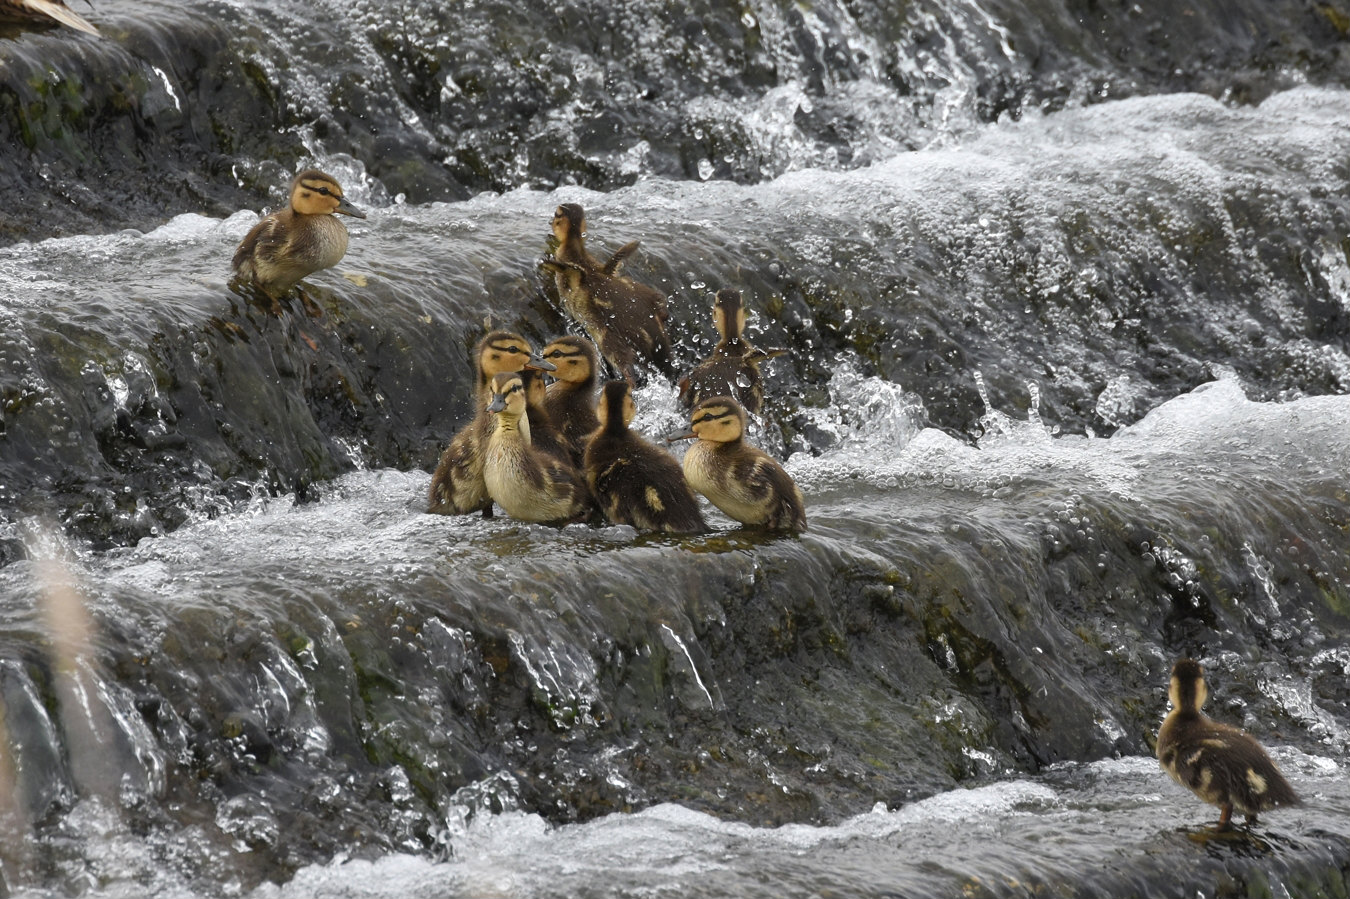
x=554, y=453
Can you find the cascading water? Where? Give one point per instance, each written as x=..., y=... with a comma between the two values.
x=1065, y=393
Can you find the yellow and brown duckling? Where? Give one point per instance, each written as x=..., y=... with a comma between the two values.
x=635, y=482
x=732, y=368
x=571, y=397
x=457, y=486
x=1219, y=763
x=529, y=484
x=297, y=241
x=742, y=480
x=44, y=11
x=627, y=320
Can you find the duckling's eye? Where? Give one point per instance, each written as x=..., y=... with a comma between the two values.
x=325, y=191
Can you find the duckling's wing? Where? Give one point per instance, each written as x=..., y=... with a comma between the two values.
x=768, y=483
x=457, y=484
x=264, y=241
x=620, y=257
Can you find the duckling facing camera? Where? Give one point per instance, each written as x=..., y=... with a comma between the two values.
x=627, y=320
x=570, y=400
x=742, y=480
x=294, y=243
x=635, y=482
x=529, y=484
x=457, y=486
x=732, y=368
x=1219, y=763
x=44, y=12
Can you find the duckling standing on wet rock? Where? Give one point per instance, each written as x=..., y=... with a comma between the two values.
x=457, y=486
x=297, y=241
x=529, y=484
x=732, y=368
x=48, y=11
x=1217, y=762
x=571, y=398
x=634, y=482
x=743, y=481
x=627, y=320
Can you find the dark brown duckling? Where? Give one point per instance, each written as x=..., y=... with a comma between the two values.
x=457, y=486
x=297, y=241
x=44, y=11
x=627, y=320
x=635, y=482
x=1219, y=763
x=742, y=480
x=571, y=397
x=529, y=484
x=732, y=368
x=544, y=434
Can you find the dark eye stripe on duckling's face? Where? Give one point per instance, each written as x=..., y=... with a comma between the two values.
x=320, y=187
x=714, y=413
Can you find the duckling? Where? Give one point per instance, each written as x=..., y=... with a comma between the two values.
x=297, y=241
x=457, y=486
x=743, y=481
x=529, y=484
x=627, y=320
x=571, y=398
x=546, y=436
x=634, y=482
x=732, y=368
x=49, y=11
x=1222, y=765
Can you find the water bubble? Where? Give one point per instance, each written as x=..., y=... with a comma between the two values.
x=705, y=169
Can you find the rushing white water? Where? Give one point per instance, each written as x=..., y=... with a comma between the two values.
x=287, y=577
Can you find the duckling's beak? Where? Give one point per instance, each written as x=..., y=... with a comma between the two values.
x=685, y=435
x=346, y=208
x=539, y=363
x=498, y=402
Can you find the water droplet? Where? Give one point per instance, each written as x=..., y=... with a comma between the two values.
x=705, y=169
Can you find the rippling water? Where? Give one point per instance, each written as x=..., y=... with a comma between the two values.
x=1066, y=393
